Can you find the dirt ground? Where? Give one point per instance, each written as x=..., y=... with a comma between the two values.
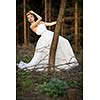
x=26, y=87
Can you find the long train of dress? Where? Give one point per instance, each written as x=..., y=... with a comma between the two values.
x=65, y=57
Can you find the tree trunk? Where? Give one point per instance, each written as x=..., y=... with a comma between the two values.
x=24, y=12
x=76, y=27
x=45, y=10
x=48, y=11
x=56, y=37
x=17, y=31
x=28, y=32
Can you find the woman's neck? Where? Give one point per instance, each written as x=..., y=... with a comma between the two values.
x=32, y=22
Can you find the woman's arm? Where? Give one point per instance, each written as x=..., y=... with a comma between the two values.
x=35, y=14
x=38, y=20
x=49, y=23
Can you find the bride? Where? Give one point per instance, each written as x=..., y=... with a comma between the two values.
x=65, y=57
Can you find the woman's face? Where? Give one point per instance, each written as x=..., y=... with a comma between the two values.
x=30, y=18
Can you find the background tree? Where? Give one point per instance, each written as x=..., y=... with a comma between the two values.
x=68, y=25
x=48, y=11
x=24, y=12
x=76, y=26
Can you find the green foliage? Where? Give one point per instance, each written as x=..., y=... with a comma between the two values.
x=25, y=58
x=75, y=84
x=53, y=88
x=24, y=82
x=80, y=84
x=17, y=59
x=72, y=83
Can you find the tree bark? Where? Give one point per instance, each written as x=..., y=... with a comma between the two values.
x=76, y=27
x=56, y=37
x=28, y=37
x=45, y=10
x=24, y=12
x=48, y=11
x=16, y=31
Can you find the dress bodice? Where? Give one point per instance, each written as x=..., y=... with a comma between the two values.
x=40, y=29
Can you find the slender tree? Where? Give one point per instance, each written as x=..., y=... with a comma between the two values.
x=16, y=31
x=24, y=12
x=48, y=11
x=45, y=10
x=28, y=33
x=76, y=27
x=56, y=37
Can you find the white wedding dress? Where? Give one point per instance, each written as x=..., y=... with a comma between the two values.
x=65, y=57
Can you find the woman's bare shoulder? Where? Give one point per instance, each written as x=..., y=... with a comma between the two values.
x=33, y=28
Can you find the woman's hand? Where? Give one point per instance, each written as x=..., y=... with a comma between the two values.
x=39, y=17
x=31, y=11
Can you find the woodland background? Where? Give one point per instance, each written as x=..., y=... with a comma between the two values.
x=71, y=28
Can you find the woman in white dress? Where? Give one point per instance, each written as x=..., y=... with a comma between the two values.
x=65, y=57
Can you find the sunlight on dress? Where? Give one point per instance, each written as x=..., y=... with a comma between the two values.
x=65, y=57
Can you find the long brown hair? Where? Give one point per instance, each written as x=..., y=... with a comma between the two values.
x=29, y=13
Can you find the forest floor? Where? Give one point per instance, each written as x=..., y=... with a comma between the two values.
x=27, y=82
